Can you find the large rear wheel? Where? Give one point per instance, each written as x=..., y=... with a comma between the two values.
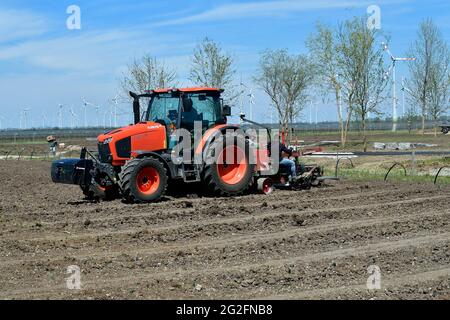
x=143, y=180
x=228, y=171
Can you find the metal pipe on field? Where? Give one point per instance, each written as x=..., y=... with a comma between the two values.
x=439, y=171
x=337, y=165
x=393, y=166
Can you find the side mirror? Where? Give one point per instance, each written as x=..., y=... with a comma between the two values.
x=226, y=111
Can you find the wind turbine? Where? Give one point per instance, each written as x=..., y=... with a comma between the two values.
x=403, y=96
x=85, y=104
x=405, y=88
x=105, y=114
x=241, y=101
x=315, y=106
x=1, y=119
x=24, y=116
x=44, y=120
x=317, y=112
x=115, y=101
x=60, y=115
x=251, y=101
x=97, y=109
x=394, y=91
x=72, y=118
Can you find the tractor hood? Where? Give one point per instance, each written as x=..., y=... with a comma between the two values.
x=121, y=144
x=129, y=131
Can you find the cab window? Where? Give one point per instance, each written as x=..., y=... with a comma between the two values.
x=163, y=107
x=200, y=107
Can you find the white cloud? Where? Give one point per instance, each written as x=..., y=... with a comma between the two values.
x=87, y=52
x=18, y=24
x=261, y=9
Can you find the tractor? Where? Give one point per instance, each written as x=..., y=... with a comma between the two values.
x=138, y=162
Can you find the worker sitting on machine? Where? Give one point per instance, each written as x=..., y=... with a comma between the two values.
x=285, y=153
x=189, y=115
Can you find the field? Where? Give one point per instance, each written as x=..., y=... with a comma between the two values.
x=311, y=244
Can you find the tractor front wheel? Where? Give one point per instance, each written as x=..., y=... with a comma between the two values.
x=143, y=180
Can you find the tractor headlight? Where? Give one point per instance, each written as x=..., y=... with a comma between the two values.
x=107, y=140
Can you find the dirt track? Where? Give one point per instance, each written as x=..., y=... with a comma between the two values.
x=311, y=244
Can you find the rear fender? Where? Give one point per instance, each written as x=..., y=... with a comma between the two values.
x=209, y=136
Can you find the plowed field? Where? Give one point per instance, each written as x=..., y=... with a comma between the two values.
x=287, y=245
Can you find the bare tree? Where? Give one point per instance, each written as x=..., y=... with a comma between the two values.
x=285, y=79
x=430, y=71
x=347, y=48
x=324, y=55
x=368, y=66
x=438, y=95
x=361, y=69
x=411, y=116
x=147, y=73
x=211, y=67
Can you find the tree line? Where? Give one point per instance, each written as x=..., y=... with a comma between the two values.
x=346, y=64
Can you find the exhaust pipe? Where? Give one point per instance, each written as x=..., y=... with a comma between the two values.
x=136, y=107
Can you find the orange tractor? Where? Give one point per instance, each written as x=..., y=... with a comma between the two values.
x=139, y=161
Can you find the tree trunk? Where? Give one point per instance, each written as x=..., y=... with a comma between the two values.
x=346, y=126
x=423, y=118
x=363, y=122
x=339, y=111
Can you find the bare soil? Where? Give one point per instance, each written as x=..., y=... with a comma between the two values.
x=313, y=244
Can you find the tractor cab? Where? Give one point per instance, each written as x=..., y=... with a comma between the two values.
x=181, y=108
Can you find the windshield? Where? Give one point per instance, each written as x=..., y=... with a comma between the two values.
x=163, y=107
x=201, y=107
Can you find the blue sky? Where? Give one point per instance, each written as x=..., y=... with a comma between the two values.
x=43, y=64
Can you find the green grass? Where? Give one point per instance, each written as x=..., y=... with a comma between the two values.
x=396, y=175
x=21, y=142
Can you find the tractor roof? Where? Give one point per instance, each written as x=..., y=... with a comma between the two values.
x=193, y=89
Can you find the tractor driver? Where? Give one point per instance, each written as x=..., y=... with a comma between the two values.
x=189, y=114
x=285, y=153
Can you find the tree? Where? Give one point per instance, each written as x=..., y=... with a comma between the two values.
x=410, y=116
x=361, y=69
x=147, y=73
x=211, y=67
x=429, y=73
x=438, y=93
x=285, y=79
x=324, y=55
